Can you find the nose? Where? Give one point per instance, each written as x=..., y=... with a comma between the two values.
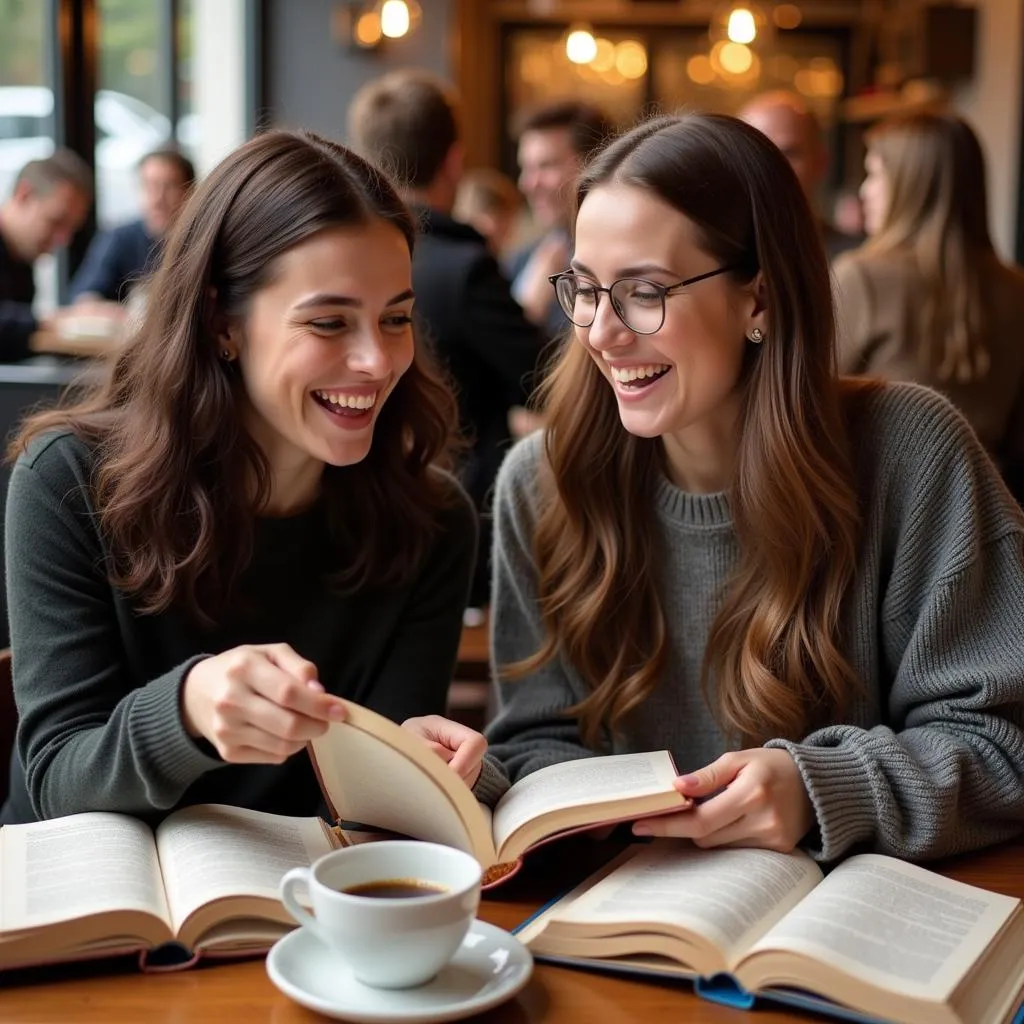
x=370, y=355
x=607, y=331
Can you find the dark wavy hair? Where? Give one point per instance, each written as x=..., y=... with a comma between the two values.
x=178, y=482
x=773, y=664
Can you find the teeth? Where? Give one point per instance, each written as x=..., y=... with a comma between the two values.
x=348, y=401
x=625, y=374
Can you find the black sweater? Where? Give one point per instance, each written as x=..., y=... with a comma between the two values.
x=98, y=684
x=17, y=291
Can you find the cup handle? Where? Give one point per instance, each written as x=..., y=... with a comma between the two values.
x=307, y=920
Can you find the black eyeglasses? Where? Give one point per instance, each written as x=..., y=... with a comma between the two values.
x=639, y=304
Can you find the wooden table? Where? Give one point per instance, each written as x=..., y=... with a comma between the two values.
x=85, y=346
x=469, y=695
x=242, y=991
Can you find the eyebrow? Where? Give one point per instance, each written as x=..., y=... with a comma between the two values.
x=638, y=271
x=329, y=299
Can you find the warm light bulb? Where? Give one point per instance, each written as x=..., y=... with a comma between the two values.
x=368, y=31
x=604, y=55
x=631, y=59
x=581, y=46
x=741, y=27
x=699, y=69
x=736, y=58
x=394, y=18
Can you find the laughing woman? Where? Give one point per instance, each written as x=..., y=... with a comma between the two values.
x=249, y=520
x=809, y=590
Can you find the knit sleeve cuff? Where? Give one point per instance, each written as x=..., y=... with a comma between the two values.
x=164, y=746
x=492, y=783
x=839, y=787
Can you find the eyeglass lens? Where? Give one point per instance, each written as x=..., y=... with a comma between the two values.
x=640, y=306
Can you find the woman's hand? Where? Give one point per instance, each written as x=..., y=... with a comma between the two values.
x=759, y=800
x=257, y=704
x=463, y=748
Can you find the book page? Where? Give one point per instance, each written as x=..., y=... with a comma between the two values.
x=895, y=925
x=376, y=773
x=76, y=866
x=212, y=851
x=730, y=897
x=580, y=783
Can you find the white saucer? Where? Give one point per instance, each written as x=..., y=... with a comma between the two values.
x=489, y=967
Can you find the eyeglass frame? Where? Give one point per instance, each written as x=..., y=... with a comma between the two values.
x=664, y=290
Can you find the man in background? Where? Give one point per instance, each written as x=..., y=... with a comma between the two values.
x=47, y=206
x=490, y=202
x=787, y=120
x=554, y=142
x=118, y=258
x=407, y=123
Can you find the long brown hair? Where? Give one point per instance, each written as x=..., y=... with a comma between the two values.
x=178, y=481
x=773, y=662
x=938, y=213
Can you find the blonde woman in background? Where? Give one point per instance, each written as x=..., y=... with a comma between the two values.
x=489, y=201
x=927, y=299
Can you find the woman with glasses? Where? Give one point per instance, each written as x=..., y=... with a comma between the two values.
x=809, y=590
x=927, y=299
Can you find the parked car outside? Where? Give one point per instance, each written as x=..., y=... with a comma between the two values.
x=126, y=129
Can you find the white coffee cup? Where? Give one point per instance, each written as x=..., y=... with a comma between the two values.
x=389, y=941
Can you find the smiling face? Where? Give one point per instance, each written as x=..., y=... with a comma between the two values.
x=874, y=193
x=548, y=166
x=322, y=347
x=163, y=193
x=681, y=383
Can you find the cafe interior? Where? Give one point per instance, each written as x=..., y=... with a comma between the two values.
x=113, y=80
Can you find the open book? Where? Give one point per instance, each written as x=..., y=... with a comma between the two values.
x=876, y=938
x=100, y=884
x=376, y=773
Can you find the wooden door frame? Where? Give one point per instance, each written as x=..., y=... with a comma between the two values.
x=477, y=48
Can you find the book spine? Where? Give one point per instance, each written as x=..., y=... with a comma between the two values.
x=169, y=956
x=543, y=908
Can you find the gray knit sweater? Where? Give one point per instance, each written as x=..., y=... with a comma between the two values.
x=931, y=760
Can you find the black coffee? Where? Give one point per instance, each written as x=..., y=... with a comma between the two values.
x=395, y=888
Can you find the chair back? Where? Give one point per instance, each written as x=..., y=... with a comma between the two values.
x=8, y=720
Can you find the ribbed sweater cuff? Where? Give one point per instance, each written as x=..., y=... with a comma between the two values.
x=492, y=783
x=839, y=785
x=162, y=741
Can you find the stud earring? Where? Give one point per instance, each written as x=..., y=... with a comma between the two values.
x=226, y=355
x=756, y=335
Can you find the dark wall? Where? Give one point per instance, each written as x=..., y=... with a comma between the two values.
x=311, y=76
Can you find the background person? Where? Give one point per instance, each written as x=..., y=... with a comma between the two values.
x=554, y=142
x=927, y=298
x=408, y=121
x=488, y=201
x=47, y=206
x=791, y=124
x=117, y=259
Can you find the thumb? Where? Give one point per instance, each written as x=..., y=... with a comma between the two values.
x=710, y=778
x=469, y=751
